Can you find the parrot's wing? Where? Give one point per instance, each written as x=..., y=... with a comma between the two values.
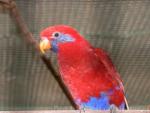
x=109, y=65
x=111, y=68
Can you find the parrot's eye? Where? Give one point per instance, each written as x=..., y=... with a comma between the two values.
x=56, y=34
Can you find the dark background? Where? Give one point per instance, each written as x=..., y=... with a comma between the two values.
x=122, y=27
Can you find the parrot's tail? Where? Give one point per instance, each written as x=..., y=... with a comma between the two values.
x=126, y=103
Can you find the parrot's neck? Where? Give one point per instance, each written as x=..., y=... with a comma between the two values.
x=70, y=54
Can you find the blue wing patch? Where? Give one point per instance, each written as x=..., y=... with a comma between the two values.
x=101, y=103
x=97, y=103
x=122, y=106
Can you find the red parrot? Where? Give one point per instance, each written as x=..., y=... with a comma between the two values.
x=87, y=72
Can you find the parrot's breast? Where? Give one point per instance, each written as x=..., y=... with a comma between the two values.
x=87, y=78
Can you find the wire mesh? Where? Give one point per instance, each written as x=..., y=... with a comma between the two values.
x=119, y=26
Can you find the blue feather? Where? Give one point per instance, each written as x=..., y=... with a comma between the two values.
x=54, y=44
x=122, y=106
x=63, y=38
x=100, y=103
x=97, y=103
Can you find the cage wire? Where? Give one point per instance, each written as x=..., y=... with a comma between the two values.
x=121, y=27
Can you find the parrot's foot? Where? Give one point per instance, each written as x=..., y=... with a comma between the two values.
x=82, y=110
x=113, y=109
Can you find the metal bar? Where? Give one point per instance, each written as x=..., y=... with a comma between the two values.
x=77, y=111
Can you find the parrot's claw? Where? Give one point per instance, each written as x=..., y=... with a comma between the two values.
x=113, y=109
x=82, y=110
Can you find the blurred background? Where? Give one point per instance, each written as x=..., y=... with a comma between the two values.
x=122, y=27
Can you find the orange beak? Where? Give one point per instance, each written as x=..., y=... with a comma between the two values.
x=45, y=45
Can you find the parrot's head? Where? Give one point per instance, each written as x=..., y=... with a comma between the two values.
x=54, y=36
